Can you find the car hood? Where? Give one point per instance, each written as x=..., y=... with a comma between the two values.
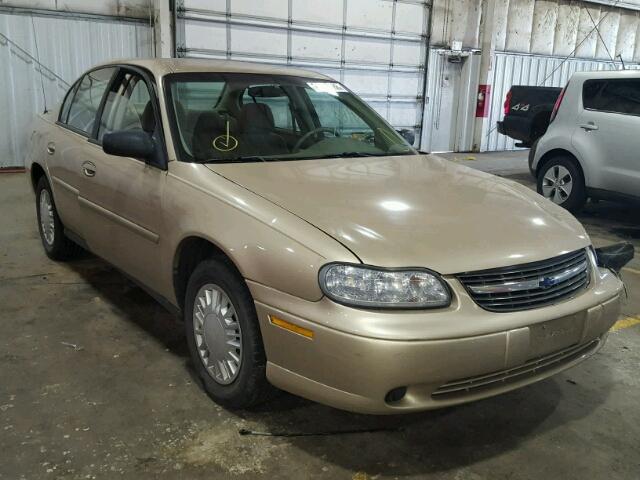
x=415, y=211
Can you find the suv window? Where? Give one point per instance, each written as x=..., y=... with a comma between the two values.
x=128, y=106
x=616, y=96
x=85, y=103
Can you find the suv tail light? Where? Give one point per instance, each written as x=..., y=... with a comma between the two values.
x=507, y=103
x=556, y=106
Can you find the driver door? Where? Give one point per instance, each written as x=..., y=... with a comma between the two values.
x=122, y=197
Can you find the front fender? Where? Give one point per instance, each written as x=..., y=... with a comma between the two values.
x=267, y=244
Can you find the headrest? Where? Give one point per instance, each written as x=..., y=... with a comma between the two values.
x=148, y=119
x=208, y=126
x=255, y=117
x=208, y=122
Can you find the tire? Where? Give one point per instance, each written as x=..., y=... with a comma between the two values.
x=561, y=181
x=56, y=245
x=248, y=386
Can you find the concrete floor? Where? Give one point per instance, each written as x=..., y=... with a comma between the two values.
x=95, y=382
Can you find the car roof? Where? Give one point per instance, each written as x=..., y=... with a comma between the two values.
x=606, y=74
x=164, y=66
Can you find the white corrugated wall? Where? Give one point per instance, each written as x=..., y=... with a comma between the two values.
x=67, y=46
x=518, y=69
x=543, y=42
x=532, y=37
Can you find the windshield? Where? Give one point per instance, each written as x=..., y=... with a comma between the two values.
x=225, y=117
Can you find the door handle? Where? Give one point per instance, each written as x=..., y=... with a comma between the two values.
x=89, y=169
x=51, y=148
x=588, y=126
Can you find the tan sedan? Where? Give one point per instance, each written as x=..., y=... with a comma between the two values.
x=307, y=245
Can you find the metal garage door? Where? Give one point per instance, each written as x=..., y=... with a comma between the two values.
x=378, y=48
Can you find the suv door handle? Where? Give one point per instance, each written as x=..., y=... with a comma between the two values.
x=51, y=148
x=89, y=169
x=588, y=126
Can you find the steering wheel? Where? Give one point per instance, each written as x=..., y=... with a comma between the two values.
x=306, y=136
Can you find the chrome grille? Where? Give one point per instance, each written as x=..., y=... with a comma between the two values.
x=532, y=368
x=530, y=285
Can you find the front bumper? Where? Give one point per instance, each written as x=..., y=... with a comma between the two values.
x=355, y=371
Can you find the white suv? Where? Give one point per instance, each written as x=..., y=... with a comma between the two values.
x=592, y=145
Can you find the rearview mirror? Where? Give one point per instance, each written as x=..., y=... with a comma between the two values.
x=266, y=91
x=129, y=143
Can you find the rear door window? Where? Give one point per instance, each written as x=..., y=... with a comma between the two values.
x=614, y=95
x=86, y=101
x=128, y=106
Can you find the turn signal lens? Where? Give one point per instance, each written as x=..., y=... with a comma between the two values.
x=292, y=327
x=507, y=103
x=556, y=106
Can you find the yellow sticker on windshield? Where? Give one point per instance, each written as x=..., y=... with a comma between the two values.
x=225, y=143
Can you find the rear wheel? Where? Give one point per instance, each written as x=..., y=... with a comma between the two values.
x=224, y=337
x=561, y=181
x=56, y=245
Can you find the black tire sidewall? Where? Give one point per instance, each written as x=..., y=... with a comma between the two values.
x=250, y=383
x=577, y=197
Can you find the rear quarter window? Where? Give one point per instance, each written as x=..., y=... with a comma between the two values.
x=612, y=95
x=66, y=104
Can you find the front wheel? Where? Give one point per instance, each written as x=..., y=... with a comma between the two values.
x=224, y=337
x=561, y=181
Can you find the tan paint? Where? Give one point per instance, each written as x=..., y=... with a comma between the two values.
x=279, y=222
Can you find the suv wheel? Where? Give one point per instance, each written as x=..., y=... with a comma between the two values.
x=56, y=245
x=561, y=181
x=224, y=337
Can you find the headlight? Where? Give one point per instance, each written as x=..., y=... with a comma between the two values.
x=373, y=287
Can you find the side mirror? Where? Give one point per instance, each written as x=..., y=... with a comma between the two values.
x=408, y=135
x=129, y=143
x=616, y=256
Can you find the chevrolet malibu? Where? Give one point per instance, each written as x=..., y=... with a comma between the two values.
x=307, y=245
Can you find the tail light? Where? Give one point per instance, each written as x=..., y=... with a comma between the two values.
x=556, y=106
x=507, y=103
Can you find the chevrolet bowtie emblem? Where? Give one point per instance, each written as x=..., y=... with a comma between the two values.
x=547, y=282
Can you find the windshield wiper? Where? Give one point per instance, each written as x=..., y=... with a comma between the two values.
x=342, y=155
x=242, y=159
x=355, y=155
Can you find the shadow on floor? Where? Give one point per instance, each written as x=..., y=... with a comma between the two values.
x=428, y=442
x=132, y=303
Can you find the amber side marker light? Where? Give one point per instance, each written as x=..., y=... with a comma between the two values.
x=292, y=327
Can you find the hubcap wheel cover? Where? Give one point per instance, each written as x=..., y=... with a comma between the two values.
x=47, y=223
x=557, y=184
x=217, y=334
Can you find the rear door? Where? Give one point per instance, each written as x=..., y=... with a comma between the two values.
x=608, y=134
x=66, y=144
x=122, y=197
